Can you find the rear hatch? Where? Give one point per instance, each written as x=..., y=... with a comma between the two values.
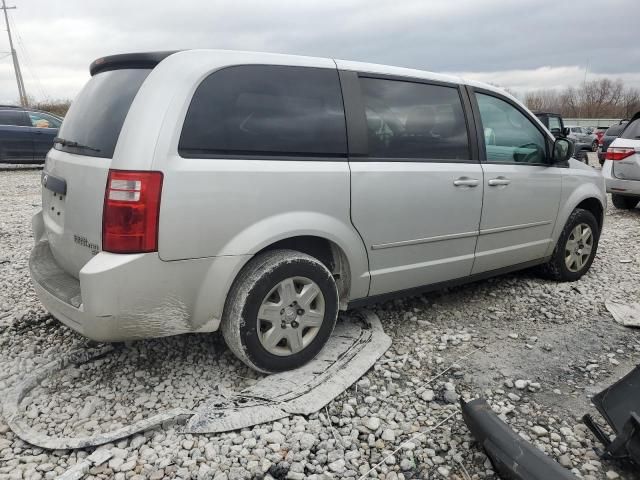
x=76, y=169
x=627, y=147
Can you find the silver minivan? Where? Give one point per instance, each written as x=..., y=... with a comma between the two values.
x=259, y=194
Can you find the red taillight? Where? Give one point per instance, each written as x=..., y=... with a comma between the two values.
x=131, y=211
x=618, y=153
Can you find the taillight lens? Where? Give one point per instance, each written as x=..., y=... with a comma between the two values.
x=131, y=211
x=618, y=153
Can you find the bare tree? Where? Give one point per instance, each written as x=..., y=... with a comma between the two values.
x=595, y=99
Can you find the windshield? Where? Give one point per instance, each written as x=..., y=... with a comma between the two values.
x=92, y=125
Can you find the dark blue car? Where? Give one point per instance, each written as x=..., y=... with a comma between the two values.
x=26, y=135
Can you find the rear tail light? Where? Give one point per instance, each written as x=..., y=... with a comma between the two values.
x=617, y=153
x=131, y=211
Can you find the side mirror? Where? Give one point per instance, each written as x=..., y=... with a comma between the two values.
x=562, y=150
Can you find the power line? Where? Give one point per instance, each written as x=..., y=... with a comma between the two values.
x=27, y=60
x=16, y=65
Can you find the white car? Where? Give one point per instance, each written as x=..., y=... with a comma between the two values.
x=259, y=194
x=621, y=167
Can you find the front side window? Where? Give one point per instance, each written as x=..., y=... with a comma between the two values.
x=509, y=136
x=12, y=118
x=414, y=120
x=266, y=110
x=42, y=120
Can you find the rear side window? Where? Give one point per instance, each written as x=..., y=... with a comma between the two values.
x=97, y=114
x=266, y=110
x=632, y=131
x=414, y=120
x=13, y=118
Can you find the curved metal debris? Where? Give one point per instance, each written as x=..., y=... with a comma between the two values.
x=353, y=348
x=16, y=420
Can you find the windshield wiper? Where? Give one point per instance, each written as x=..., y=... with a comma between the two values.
x=70, y=143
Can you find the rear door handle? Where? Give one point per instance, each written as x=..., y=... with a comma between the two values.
x=494, y=182
x=466, y=182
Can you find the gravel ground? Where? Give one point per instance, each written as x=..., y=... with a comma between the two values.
x=535, y=349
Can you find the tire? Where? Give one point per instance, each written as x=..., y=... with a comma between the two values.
x=583, y=156
x=624, y=202
x=556, y=268
x=263, y=285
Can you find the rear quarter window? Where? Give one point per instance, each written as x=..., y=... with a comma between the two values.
x=97, y=114
x=266, y=110
x=632, y=131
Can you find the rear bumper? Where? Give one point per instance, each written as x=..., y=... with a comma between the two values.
x=617, y=185
x=127, y=297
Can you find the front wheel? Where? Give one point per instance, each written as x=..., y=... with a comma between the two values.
x=280, y=311
x=624, y=202
x=576, y=248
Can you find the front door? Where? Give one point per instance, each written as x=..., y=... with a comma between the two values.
x=416, y=190
x=521, y=188
x=44, y=129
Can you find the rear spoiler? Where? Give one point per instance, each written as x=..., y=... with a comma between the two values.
x=128, y=60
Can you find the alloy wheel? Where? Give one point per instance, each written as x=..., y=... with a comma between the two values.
x=578, y=247
x=290, y=316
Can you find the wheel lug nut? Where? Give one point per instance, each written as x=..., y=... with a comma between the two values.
x=300, y=311
x=294, y=324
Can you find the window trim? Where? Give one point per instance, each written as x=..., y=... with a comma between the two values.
x=357, y=126
x=254, y=154
x=472, y=91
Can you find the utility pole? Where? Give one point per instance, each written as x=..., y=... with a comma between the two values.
x=16, y=66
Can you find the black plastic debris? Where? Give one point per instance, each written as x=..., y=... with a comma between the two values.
x=511, y=455
x=619, y=404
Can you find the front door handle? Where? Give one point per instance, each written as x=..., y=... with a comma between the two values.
x=466, y=182
x=494, y=182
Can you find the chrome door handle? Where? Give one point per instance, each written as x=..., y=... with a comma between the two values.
x=494, y=182
x=465, y=182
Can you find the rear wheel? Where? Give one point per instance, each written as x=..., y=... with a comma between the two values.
x=576, y=248
x=624, y=202
x=280, y=311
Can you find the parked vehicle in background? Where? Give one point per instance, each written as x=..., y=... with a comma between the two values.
x=583, y=141
x=609, y=136
x=599, y=133
x=26, y=135
x=259, y=194
x=621, y=168
x=553, y=122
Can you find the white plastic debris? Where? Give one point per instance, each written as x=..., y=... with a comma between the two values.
x=625, y=314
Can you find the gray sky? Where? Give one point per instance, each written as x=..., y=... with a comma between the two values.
x=520, y=44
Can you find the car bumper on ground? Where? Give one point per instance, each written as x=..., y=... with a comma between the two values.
x=126, y=297
x=617, y=185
